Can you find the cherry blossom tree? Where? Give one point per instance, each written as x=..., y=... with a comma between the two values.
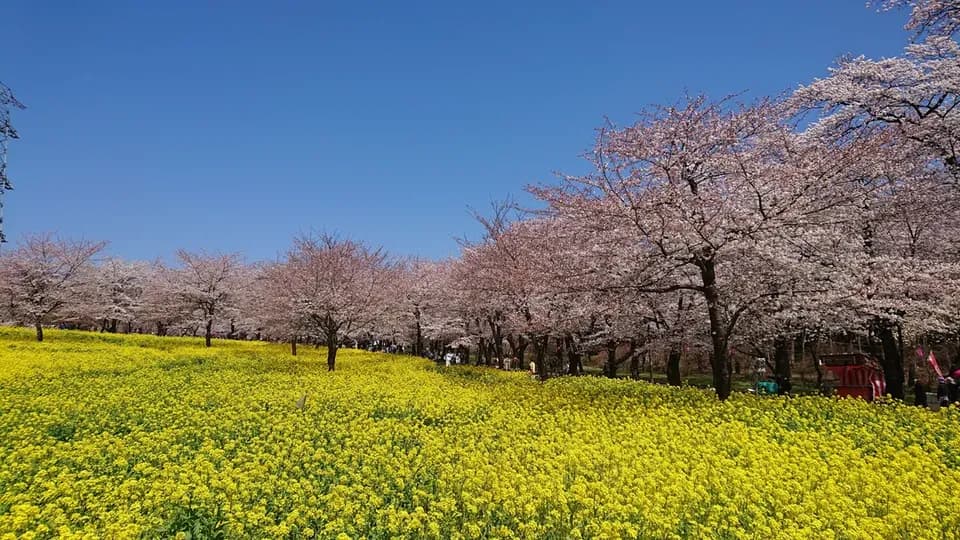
x=113, y=294
x=43, y=276
x=427, y=305
x=332, y=288
x=208, y=287
x=394, y=322
x=902, y=251
x=697, y=188
x=243, y=320
x=898, y=254
x=914, y=95
x=676, y=328
x=929, y=17
x=272, y=301
x=704, y=226
x=160, y=308
x=523, y=281
x=484, y=274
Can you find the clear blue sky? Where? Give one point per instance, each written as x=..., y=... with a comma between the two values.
x=235, y=125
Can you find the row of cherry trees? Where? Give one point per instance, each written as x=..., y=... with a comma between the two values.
x=712, y=226
x=325, y=288
x=730, y=226
x=733, y=227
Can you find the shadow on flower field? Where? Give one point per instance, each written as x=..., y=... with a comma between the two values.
x=137, y=436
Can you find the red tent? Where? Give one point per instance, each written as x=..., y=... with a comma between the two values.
x=857, y=374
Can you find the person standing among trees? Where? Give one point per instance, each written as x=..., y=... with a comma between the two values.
x=919, y=393
x=943, y=392
x=953, y=388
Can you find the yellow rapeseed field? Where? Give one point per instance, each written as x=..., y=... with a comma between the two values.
x=105, y=436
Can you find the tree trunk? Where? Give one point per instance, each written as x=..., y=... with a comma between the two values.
x=518, y=346
x=815, y=358
x=496, y=332
x=540, y=355
x=481, y=351
x=781, y=357
x=673, y=364
x=331, y=350
x=610, y=366
x=890, y=354
x=574, y=360
x=719, y=360
x=912, y=368
x=419, y=344
x=890, y=359
x=559, y=355
x=293, y=346
x=799, y=354
x=635, y=367
x=208, y=332
x=39, y=326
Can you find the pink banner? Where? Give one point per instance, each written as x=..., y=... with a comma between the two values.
x=933, y=362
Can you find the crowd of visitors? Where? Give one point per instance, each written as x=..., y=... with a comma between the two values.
x=947, y=390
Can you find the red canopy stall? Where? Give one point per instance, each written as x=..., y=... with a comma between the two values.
x=858, y=375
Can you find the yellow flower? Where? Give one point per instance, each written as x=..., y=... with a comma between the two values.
x=131, y=436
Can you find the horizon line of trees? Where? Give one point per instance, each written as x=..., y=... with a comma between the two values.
x=715, y=226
